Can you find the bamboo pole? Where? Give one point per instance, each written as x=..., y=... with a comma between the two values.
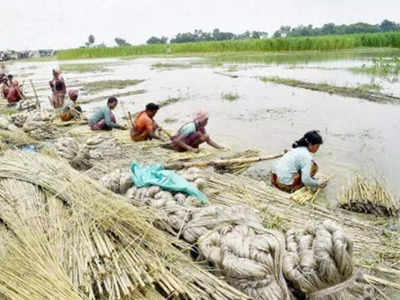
x=221, y=162
x=36, y=95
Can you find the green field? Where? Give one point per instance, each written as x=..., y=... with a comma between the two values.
x=319, y=43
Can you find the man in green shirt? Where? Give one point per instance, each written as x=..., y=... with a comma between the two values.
x=104, y=118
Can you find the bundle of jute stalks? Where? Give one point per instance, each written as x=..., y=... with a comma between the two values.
x=369, y=195
x=63, y=236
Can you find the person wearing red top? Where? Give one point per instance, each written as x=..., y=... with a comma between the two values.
x=145, y=127
x=15, y=93
x=57, y=85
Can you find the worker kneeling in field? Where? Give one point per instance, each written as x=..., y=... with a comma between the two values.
x=104, y=118
x=191, y=135
x=145, y=127
x=14, y=93
x=71, y=109
x=297, y=167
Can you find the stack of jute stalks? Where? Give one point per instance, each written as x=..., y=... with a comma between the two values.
x=63, y=236
x=369, y=195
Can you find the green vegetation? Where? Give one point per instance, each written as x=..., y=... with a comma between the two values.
x=98, y=86
x=124, y=94
x=230, y=96
x=84, y=68
x=365, y=91
x=170, y=120
x=297, y=57
x=331, y=28
x=319, y=43
x=111, y=52
x=169, y=101
x=170, y=66
x=384, y=67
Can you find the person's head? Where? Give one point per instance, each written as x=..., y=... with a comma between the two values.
x=311, y=140
x=152, y=109
x=112, y=102
x=201, y=118
x=73, y=95
x=56, y=73
x=10, y=77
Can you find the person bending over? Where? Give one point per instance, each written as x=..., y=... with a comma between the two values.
x=104, y=118
x=191, y=135
x=297, y=168
x=145, y=127
x=71, y=109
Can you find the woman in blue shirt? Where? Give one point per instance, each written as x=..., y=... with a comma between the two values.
x=297, y=168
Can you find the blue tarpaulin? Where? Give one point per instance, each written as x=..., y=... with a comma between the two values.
x=155, y=174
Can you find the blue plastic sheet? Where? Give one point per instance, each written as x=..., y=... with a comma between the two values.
x=168, y=180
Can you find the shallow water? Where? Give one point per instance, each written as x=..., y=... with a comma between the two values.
x=359, y=135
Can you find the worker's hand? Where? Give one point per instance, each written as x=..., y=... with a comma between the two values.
x=195, y=150
x=324, y=183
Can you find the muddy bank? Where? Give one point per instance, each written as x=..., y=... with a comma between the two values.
x=361, y=92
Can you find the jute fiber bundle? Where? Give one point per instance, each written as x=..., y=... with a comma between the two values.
x=83, y=155
x=67, y=237
x=249, y=259
x=318, y=262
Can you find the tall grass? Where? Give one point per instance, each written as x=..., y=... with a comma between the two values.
x=320, y=43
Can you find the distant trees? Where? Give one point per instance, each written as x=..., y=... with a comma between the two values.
x=121, y=42
x=331, y=28
x=202, y=36
x=91, y=40
x=156, y=40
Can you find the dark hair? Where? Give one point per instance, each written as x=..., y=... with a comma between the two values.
x=10, y=76
x=152, y=107
x=310, y=138
x=112, y=100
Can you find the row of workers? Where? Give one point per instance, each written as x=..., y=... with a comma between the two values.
x=291, y=172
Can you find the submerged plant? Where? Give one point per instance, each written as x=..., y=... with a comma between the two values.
x=230, y=96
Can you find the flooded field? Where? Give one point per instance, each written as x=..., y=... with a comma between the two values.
x=247, y=113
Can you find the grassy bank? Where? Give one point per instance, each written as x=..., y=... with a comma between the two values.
x=367, y=91
x=320, y=43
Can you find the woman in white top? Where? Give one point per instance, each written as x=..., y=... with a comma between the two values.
x=297, y=168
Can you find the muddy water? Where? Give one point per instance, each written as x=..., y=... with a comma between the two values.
x=359, y=135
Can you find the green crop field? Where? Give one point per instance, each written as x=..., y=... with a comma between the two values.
x=318, y=43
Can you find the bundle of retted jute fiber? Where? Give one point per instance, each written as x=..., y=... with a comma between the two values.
x=80, y=241
x=367, y=195
x=82, y=156
x=249, y=258
x=118, y=181
x=318, y=258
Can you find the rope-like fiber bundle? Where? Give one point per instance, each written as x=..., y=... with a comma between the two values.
x=318, y=257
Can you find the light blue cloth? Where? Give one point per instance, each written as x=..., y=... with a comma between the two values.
x=187, y=129
x=168, y=180
x=103, y=113
x=297, y=159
